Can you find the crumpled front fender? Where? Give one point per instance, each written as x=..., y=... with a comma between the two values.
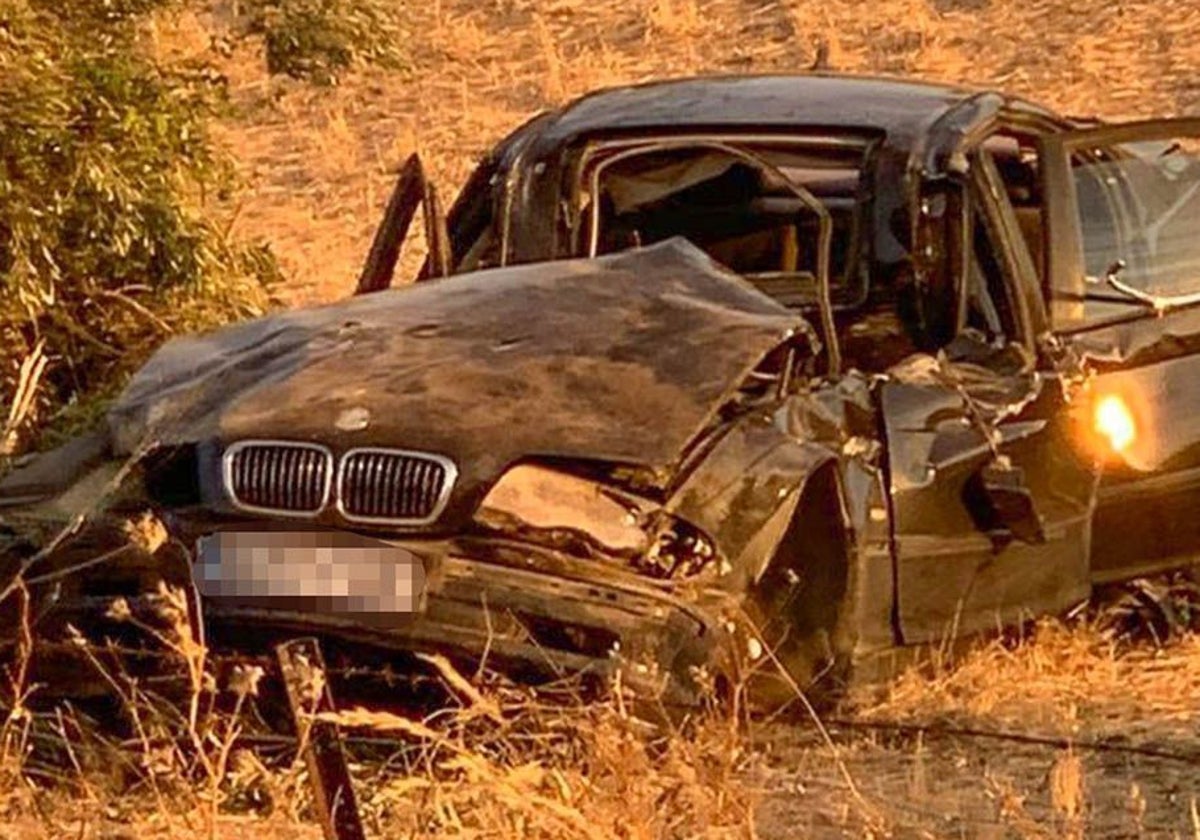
x=745, y=491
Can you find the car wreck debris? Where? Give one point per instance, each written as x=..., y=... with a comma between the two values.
x=822, y=367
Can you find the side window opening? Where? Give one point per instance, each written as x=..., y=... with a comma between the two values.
x=1129, y=199
x=1141, y=203
x=989, y=308
x=1016, y=158
x=741, y=214
x=998, y=294
x=735, y=198
x=474, y=243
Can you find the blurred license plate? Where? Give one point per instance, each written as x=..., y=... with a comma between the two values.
x=330, y=570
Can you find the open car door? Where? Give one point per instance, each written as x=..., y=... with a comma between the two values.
x=1123, y=280
x=413, y=190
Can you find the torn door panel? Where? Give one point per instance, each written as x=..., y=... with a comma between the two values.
x=958, y=569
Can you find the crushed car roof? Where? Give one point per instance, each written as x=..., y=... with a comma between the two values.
x=625, y=358
x=902, y=108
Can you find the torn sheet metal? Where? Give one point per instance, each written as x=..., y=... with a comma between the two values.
x=624, y=359
x=750, y=481
x=957, y=571
x=1142, y=340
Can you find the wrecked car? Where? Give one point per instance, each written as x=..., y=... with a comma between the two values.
x=701, y=379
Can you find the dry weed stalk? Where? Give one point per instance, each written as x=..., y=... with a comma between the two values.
x=14, y=732
x=176, y=747
x=1067, y=794
x=29, y=376
x=504, y=761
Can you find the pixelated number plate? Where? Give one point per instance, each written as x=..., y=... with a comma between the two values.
x=338, y=572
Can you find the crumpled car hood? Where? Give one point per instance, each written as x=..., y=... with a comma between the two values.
x=623, y=358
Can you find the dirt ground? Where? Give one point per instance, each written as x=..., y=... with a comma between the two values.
x=1065, y=735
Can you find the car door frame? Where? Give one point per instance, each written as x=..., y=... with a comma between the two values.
x=413, y=191
x=1148, y=358
x=952, y=576
x=1065, y=269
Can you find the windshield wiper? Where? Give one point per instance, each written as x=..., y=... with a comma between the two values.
x=1158, y=303
x=1113, y=281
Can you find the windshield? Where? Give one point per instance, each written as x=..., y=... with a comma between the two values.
x=1139, y=215
x=743, y=214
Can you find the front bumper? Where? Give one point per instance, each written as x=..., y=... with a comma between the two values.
x=523, y=621
x=521, y=610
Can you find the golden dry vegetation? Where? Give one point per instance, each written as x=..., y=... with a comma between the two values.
x=320, y=163
x=1066, y=733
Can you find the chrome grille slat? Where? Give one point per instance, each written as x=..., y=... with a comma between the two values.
x=394, y=486
x=404, y=477
x=282, y=477
x=424, y=482
x=290, y=463
x=372, y=501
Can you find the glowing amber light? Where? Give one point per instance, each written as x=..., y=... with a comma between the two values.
x=1114, y=421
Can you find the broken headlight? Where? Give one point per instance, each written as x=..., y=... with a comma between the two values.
x=532, y=498
x=680, y=551
x=579, y=515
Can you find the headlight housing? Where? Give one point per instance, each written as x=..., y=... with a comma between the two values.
x=582, y=516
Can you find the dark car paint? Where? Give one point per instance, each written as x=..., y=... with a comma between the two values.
x=924, y=132
x=622, y=360
x=688, y=331
x=899, y=450
x=1147, y=497
x=953, y=576
x=923, y=128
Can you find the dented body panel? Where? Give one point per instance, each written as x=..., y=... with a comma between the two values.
x=959, y=570
x=628, y=360
x=816, y=397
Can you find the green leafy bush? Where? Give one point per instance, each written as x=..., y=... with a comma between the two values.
x=112, y=191
x=108, y=180
x=316, y=40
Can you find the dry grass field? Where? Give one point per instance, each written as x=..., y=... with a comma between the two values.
x=1066, y=733
x=320, y=162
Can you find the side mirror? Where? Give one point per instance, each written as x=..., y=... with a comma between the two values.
x=1002, y=504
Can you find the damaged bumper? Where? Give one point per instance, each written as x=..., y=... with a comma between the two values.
x=519, y=609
